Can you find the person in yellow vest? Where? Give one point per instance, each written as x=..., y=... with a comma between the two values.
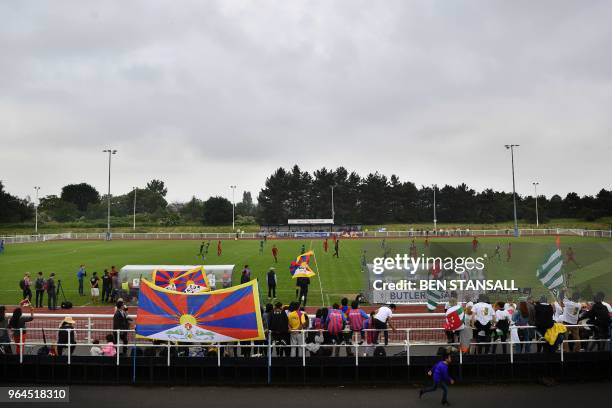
x=297, y=322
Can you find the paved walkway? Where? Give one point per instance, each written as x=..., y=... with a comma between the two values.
x=496, y=396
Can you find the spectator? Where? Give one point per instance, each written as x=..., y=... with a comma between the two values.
x=121, y=322
x=296, y=323
x=483, y=320
x=279, y=328
x=24, y=285
x=368, y=325
x=335, y=325
x=227, y=279
x=599, y=317
x=521, y=319
x=96, y=350
x=109, y=349
x=51, y=294
x=95, y=290
x=543, y=320
x=39, y=285
x=81, y=273
x=571, y=312
x=453, y=322
x=271, y=280
x=65, y=336
x=212, y=280
x=116, y=285
x=266, y=315
x=502, y=326
x=1, y=246
x=5, y=340
x=247, y=272
x=382, y=319
x=356, y=318
x=244, y=277
x=18, y=325
x=107, y=286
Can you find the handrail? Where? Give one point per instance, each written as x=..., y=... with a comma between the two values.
x=270, y=346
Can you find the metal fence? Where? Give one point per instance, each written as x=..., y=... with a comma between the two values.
x=97, y=326
x=267, y=348
x=16, y=239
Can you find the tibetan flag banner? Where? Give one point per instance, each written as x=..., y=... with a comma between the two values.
x=432, y=297
x=300, y=268
x=225, y=315
x=187, y=281
x=550, y=272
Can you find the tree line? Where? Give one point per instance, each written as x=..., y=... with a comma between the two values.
x=378, y=199
x=294, y=193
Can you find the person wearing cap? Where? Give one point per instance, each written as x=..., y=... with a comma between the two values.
x=65, y=336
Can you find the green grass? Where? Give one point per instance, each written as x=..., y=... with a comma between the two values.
x=338, y=277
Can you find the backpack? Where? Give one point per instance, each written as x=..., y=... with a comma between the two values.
x=22, y=284
x=379, y=351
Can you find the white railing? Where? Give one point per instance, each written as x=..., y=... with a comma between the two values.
x=16, y=239
x=274, y=348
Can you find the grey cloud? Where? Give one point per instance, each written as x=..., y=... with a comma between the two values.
x=208, y=94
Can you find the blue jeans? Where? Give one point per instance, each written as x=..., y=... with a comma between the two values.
x=81, y=287
x=434, y=387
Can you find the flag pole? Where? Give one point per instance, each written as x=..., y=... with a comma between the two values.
x=318, y=278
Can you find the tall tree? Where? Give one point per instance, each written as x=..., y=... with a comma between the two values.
x=158, y=187
x=80, y=195
x=14, y=209
x=272, y=199
x=246, y=206
x=217, y=211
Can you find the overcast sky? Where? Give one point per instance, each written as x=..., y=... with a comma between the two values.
x=205, y=94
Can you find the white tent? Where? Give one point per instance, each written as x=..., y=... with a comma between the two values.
x=133, y=273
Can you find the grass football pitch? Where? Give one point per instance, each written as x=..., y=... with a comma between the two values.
x=337, y=277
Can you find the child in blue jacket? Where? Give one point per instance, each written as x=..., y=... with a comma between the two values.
x=441, y=378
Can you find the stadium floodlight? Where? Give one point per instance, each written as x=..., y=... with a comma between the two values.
x=535, y=186
x=511, y=147
x=233, y=208
x=435, y=220
x=135, y=190
x=110, y=153
x=36, y=210
x=333, y=211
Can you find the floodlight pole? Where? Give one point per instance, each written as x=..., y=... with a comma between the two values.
x=110, y=153
x=233, y=208
x=333, y=213
x=535, y=186
x=135, y=190
x=435, y=220
x=36, y=210
x=511, y=147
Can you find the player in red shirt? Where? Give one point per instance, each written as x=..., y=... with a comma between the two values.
x=325, y=245
x=275, y=253
x=219, y=249
x=474, y=244
x=509, y=252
